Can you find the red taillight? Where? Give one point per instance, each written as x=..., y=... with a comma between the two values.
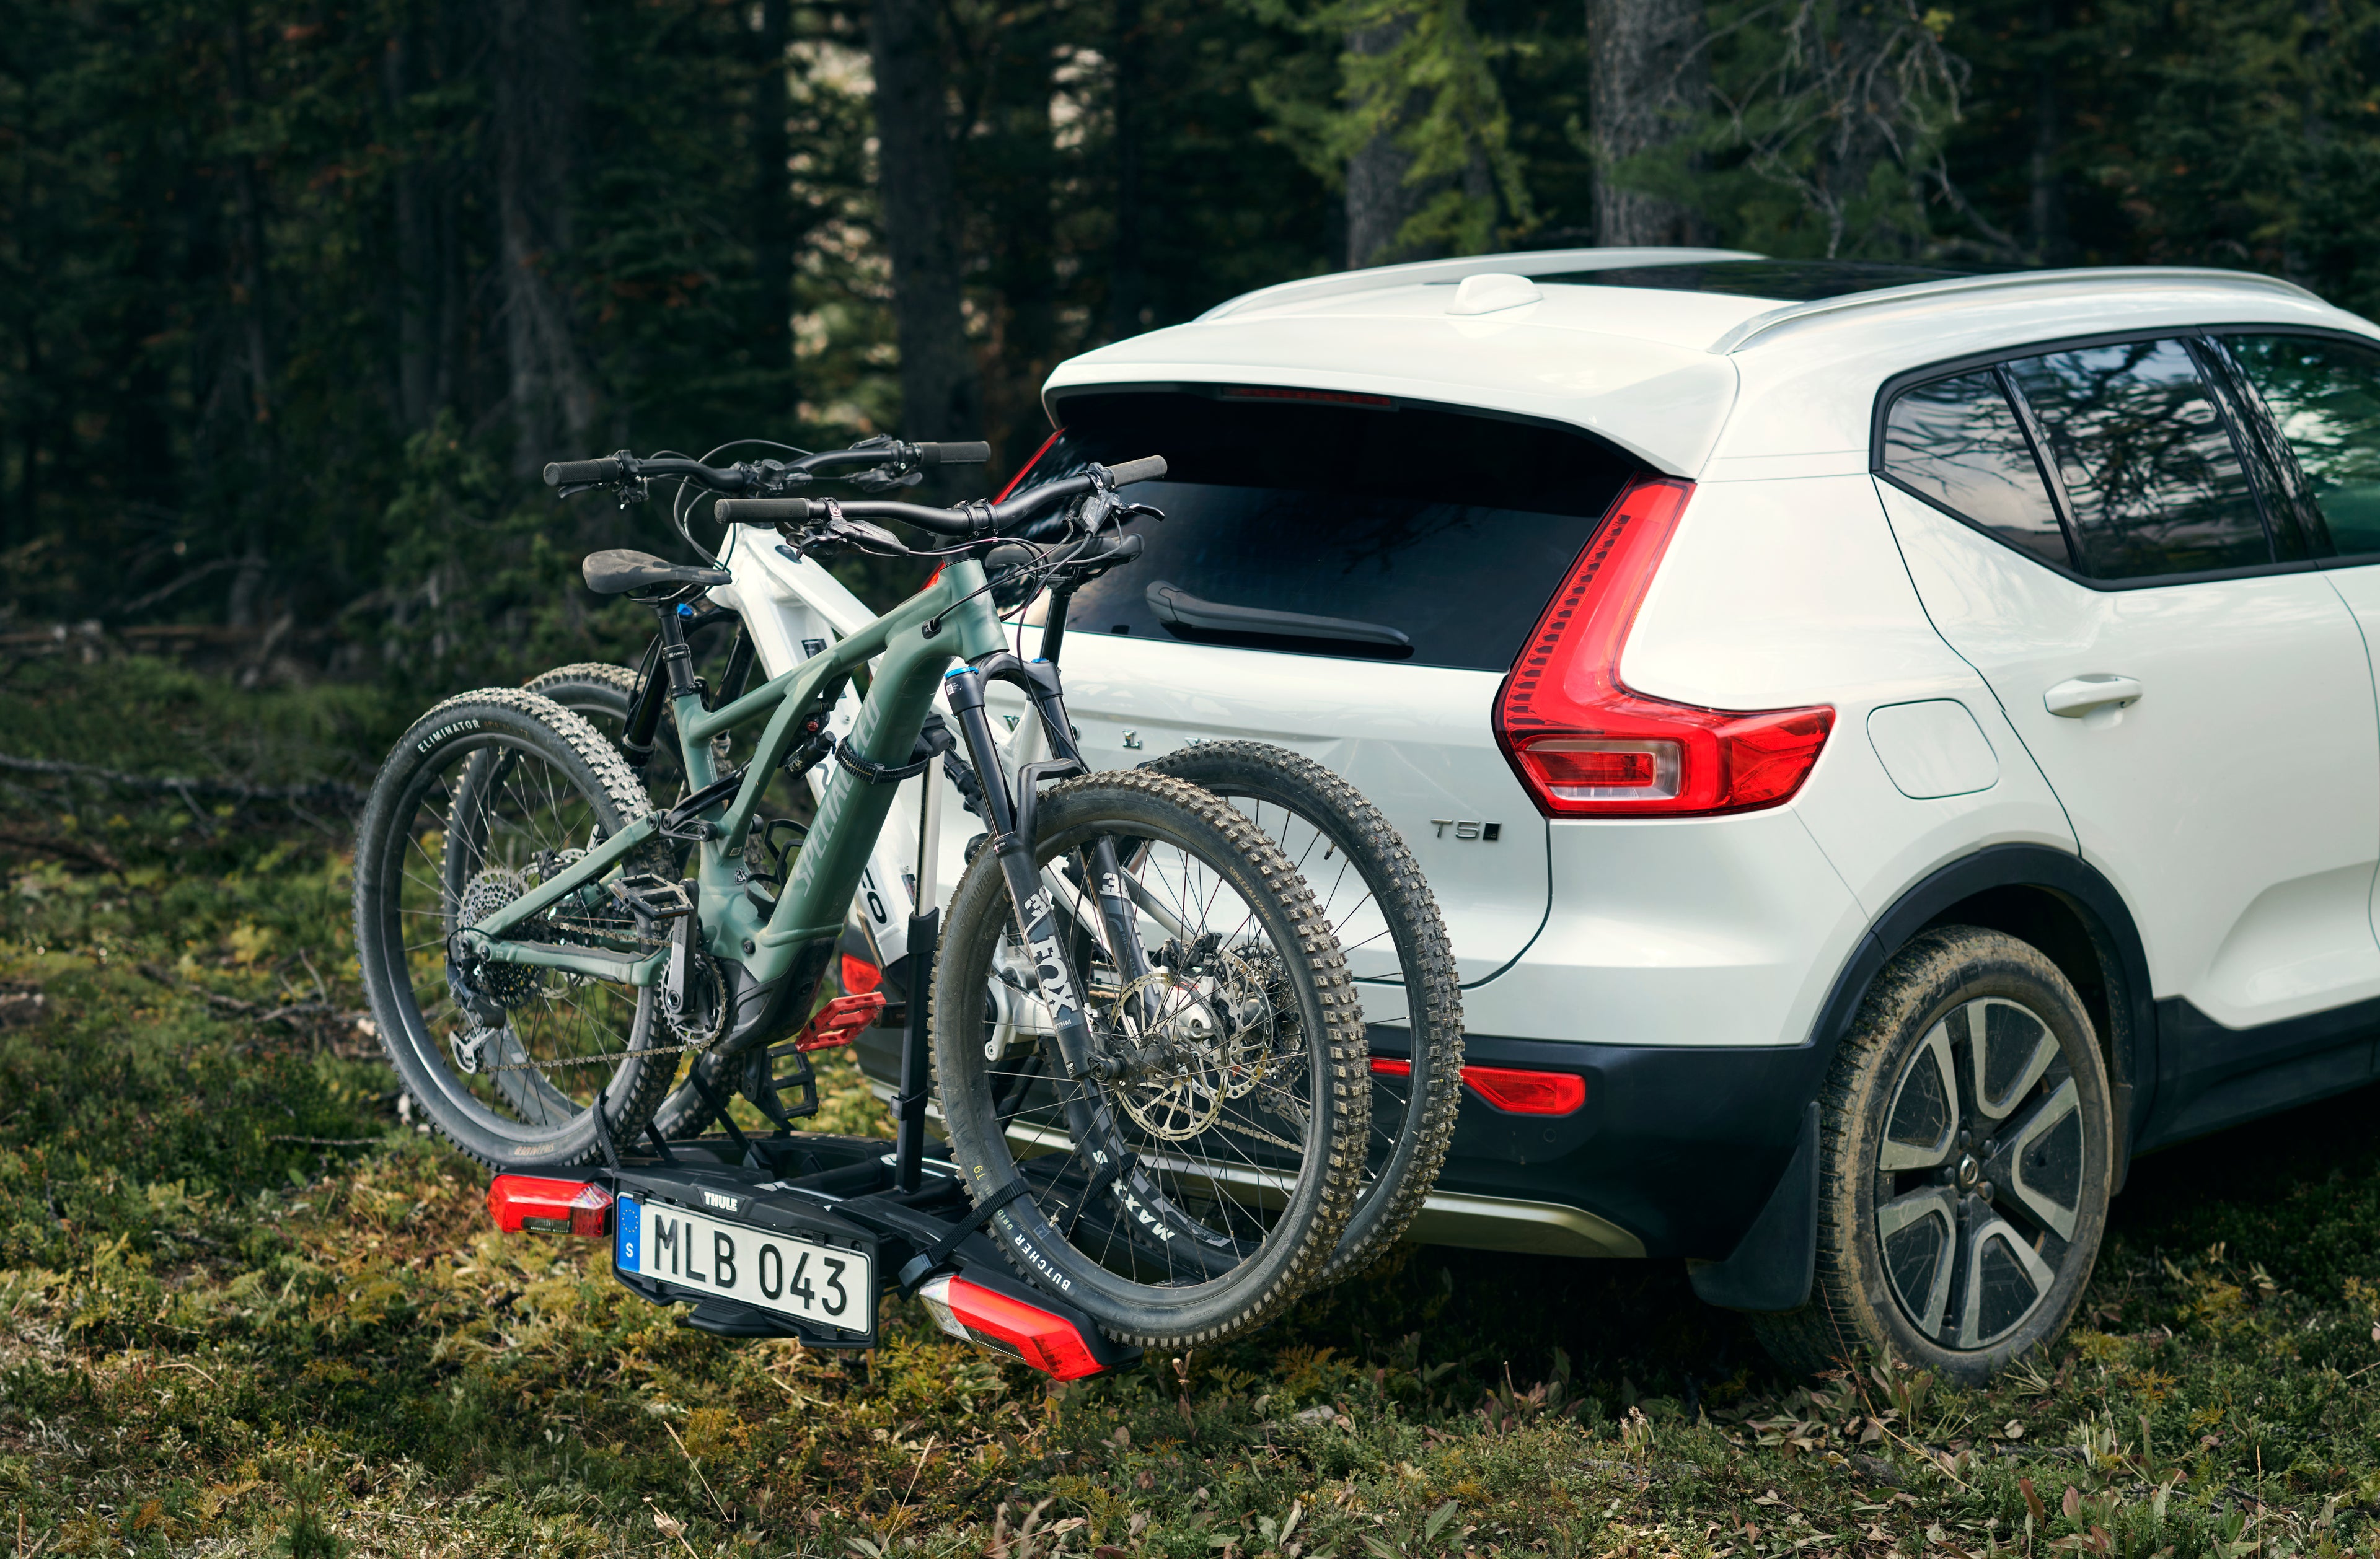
x=860, y=976
x=1586, y=745
x=542, y=1206
x=1515, y=1092
x=1049, y=1343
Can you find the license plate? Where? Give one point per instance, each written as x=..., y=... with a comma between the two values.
x=773, y=1272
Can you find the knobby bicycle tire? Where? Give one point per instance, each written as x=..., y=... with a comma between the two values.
x=1413, y=1116
x=497, y=722
x=1156, y=1202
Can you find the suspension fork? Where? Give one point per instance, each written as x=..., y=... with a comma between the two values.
x=1010, y=817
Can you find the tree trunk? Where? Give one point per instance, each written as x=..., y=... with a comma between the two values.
x=1378, y=199
x=938, y=394
x=1649, y=64
x=251, y=278
x=774, y=236
x=1126, y=286
x=2046, y=205
x=537, y=122
x=416, y=269
x=1014, y=180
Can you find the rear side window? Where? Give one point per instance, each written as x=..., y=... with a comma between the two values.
x=1957, y=442
x=2153, y=482
x=2324, y=395
x=1450, y=529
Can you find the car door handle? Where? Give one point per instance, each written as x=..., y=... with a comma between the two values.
x=2078, y=697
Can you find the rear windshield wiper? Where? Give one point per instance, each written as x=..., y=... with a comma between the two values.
x=1177, y=608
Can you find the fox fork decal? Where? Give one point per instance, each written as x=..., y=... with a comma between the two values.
x=1053, y=971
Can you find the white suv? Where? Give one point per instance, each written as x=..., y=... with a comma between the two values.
x=1904, y=742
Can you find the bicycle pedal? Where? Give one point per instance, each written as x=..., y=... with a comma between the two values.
x=766, y=1087
x=652, y=896
x=839, y=1022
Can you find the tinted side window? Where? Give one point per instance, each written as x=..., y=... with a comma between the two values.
x=1957, y=442
x=2151, y=480
x=2326, y=396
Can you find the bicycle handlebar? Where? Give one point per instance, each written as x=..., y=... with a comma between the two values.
x=624, y=466
x=973, y=519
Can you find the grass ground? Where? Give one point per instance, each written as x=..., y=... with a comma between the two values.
x=243, y=1309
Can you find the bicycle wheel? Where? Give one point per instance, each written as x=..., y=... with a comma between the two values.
x=488, y=794
x=1373, y=895
x=601, y=695
x=1195, y=1191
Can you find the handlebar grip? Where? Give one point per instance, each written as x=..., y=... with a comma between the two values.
x=954, y=454
x=1148, y=469
x=761, y=510
x=571, y=472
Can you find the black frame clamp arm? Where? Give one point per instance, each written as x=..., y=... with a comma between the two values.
x=931, y=1258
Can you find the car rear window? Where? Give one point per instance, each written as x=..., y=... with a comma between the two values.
x=1447, y=529
x=1957, y=442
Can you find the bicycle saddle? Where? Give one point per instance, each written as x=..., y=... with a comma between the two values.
x=617, y=569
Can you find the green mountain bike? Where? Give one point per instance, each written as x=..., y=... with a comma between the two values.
x=543, y=947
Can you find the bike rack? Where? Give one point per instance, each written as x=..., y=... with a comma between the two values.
x=896, y=1206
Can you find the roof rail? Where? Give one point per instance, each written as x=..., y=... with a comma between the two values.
x=1535, y=262
x=1793, y=314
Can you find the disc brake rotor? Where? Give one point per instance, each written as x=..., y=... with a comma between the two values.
x=1203, y=1038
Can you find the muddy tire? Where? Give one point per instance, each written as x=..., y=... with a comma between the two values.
x=1965, y=1164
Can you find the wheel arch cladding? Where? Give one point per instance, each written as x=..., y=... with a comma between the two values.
x=2052, y=900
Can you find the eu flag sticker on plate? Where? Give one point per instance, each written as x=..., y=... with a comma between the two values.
x=628, y=1219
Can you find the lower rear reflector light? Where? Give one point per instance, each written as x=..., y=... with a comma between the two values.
x=1509, y=1089
x=1527, y=1093
x=521, y=1203
x=1049, y=1343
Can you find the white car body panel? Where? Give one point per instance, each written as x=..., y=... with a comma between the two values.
x=2236, y=806
x=1576, y=358
x=1779, y=593
x=2359, y=589
x=1692, y=931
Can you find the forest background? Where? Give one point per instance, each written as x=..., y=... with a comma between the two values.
x=296, y=296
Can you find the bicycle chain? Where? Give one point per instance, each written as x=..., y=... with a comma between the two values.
x=588, y=1061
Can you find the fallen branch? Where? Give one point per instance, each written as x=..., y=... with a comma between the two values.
x=18, y=838
x=328, y=792
x=332, y=1142
x=292, y=1014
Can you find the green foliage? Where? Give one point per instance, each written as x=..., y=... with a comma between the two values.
x=1824, y=130
x=1433, y=90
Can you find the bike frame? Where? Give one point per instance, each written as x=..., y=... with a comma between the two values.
x=851, y=811
x=913, y=646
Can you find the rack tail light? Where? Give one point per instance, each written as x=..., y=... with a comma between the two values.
x=1051, y=1344
x=1509, y=1089
x=527, y=1203
x=1586, y=745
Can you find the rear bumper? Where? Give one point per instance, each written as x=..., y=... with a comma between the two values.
x=1674, y=1152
